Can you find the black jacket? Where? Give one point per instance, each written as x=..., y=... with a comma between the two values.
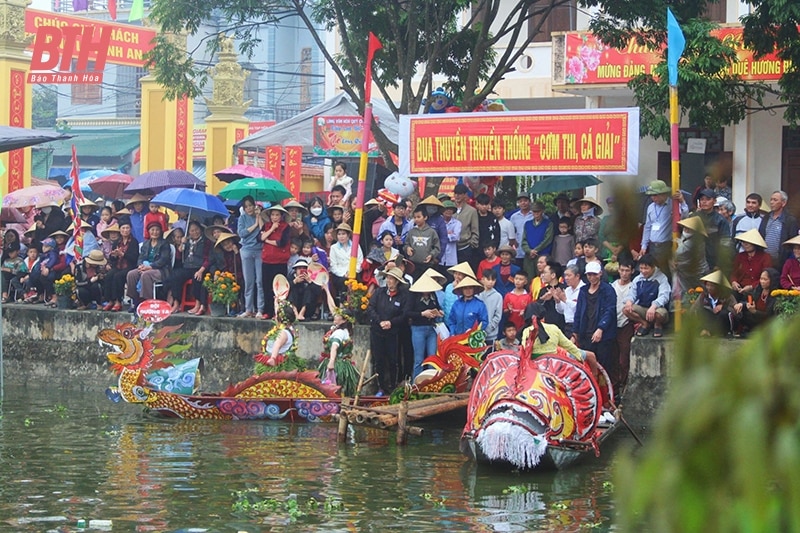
x=392, y=308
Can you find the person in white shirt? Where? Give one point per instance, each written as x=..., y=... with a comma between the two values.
x=508, y=234
x=450, y=248
x=622, y=351
x=518, y=219
x=567, y=299
x=339, y=259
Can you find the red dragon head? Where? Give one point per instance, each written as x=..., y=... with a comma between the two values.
x=518, y=406
x=133, y=349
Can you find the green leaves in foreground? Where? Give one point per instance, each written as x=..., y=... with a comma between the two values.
x=725, y=451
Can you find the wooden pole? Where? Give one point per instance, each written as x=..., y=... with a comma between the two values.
x=361, y=376
x=402, y=418
x=342, y=432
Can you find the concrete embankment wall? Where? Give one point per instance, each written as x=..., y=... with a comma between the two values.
x=50, y=348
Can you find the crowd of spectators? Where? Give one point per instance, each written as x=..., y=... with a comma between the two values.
x=442, y=264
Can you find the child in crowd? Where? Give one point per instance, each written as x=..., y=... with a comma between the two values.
x=376, y=258
x=155, y=215
x=30, y=263
x=509, y=341
x=493, y=301
x=450, y=255
x=295, y=245
x=505, y=270
x=12, y=266
x=422, y=242
x=491, y=258
x=106, y=219
x=564, y=243
x=515, y=302
x=40, y=281
x=341, y=178
x=314, y=254
x=577, y=255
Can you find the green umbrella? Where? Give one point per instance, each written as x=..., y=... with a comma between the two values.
x=563, y=183
x=261, y=189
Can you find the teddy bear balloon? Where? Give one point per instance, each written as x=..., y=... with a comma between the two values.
x=402, y=187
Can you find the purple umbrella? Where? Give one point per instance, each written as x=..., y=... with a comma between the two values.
x=155, y=181
x=237, y=172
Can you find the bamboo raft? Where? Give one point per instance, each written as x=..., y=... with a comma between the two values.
x=398, y=416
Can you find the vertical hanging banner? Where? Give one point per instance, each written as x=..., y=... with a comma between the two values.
x=17, y=112
x=182, y=160
x=272, y=160
x=294, y=164
x=238, y=135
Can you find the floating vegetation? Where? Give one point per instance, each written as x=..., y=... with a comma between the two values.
x=248, y=502
x=516, y=489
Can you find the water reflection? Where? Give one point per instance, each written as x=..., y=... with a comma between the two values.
x=68, y=456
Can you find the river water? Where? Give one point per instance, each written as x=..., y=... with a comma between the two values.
x=70, y=456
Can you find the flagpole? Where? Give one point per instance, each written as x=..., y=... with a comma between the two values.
x=373, y=46
x=675, y=45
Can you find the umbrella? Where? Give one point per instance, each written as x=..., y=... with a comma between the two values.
x=35, y=195
x=261, y=189
x=12, y=138
x=237, y=172
x=111, y=187
x=195, y=202
x=563, y=183
x=155, y=181
x=95, y=173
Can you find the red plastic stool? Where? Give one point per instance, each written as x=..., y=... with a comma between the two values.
x=187, y=299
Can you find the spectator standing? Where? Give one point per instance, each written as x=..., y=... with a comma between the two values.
x=506, y=270
x=388, y=309
x=622, y=287
x=453, y=226
x=587, y=224
x=548, y=293
x=467, y=248
x=518, y=219
x=422, y=242
x=339, y=259
x=537, y=238
x=508, y=234
x=777, y=227
x=690, y=257
x=488, y=227
x=248, y=228
x=137, y=207
x=657, y=233
x=562, y=209
x=424, y=313
x=467, y=310
x=434, y=210
x=493, y=301
x=718, y=243
x=564, y=242
x=596, y=318
x=274, y=237
x=726, y=209
x=750, y=219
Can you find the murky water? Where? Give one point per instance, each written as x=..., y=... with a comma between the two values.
x=67, y=456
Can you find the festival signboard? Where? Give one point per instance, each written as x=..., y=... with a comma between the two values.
x=576, y=141
x=340, y=136
x=588, y=61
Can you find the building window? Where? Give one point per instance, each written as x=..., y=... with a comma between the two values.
x=129, y=91
x=716, y=11
x=560, y=18
x=86, y=93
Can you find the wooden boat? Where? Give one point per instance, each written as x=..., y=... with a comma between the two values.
x=144, y=358
x=541, y=413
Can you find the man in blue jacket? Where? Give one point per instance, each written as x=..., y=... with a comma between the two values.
x=595, y=325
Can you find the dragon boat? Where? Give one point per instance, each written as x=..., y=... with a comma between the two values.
x=543, y=413
x=152, y=374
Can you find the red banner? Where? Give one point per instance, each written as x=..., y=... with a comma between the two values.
x=128, y=43
x=587, y=61
x=294, y=163
x=494, y=144
x=272, y=160
x=238, y=135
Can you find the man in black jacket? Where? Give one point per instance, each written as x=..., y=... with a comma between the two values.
x=778, y=226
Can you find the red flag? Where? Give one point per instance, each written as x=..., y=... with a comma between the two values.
x=272, y=160
x=294, y=165
x=374, y=46
x=112, y=9
x=77, y=197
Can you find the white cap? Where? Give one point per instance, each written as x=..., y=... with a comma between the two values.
x=593, y=268
x=720, y=200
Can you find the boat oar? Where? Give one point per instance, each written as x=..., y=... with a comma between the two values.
x=625, y=423
x=361, y=376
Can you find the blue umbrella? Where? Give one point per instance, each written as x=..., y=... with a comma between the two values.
x=155, y=181
x=96, y=173
x=189, y=200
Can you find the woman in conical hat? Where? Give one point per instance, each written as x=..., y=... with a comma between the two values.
x=425, y=312
x=749, y=264
x=690, y=262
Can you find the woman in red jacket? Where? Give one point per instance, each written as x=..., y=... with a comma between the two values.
x=274, y=253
